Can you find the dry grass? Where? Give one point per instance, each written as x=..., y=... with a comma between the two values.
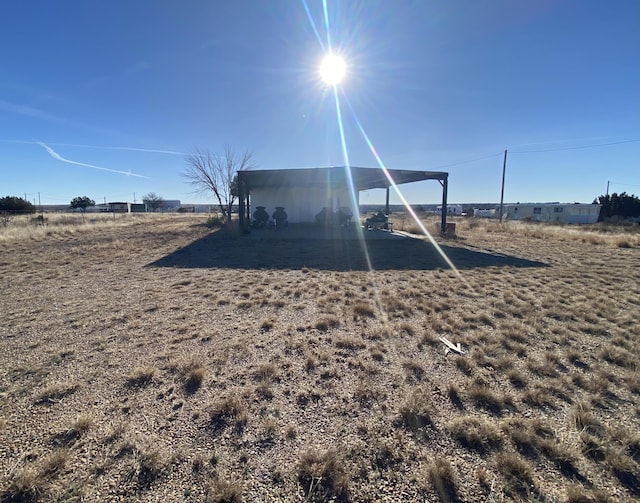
x=322, y=476
x=167, y=363
x=444, y=480
x=141, y=376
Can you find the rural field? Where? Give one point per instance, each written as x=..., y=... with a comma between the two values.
x=154, y=358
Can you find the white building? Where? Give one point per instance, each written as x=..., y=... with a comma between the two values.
x=452, y=209
x=485, y=212
x=566, y=213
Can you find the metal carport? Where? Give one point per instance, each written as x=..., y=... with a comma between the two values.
x=336, y=176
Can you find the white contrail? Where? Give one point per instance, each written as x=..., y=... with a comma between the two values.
x=134, y=149
x=100, y=147
x=57, y=156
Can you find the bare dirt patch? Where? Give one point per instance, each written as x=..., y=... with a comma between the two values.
x=158, y=360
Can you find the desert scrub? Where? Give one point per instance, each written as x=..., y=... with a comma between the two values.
x=26, y=484
x=416, y=410
x=229, y=411
x=486, y=398
x=140, y=377
x=475, y=433
x=223, y=490
x=322, y=476
x=327, y=323
x=55, y=392
x=444, y=480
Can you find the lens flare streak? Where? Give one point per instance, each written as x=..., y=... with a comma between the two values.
x=349, y=177
x=326, y=22
x=397, y=190
x=312, y=23
x=345, y=152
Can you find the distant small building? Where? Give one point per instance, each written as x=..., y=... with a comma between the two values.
x=485, y=212
x=118, y=207
x=170, y=205
x=566, y=213
x=452, y=209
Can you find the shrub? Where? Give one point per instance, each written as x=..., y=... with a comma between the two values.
x=215, y=220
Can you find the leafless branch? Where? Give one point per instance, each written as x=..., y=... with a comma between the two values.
x=216, y=173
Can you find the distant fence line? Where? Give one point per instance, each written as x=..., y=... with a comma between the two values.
x=18, y=212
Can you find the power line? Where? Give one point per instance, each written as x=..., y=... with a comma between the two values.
x=572, y=148
x=539, y=151
x=469, y=160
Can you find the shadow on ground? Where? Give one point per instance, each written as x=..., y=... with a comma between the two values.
x=217, y=250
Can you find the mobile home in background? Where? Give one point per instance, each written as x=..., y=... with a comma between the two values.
x=576, y=213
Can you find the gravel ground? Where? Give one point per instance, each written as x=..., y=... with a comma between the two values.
x=164, y=361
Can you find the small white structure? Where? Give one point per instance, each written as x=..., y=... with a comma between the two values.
x=452, y=209
x=565, y=213
x=485, y=212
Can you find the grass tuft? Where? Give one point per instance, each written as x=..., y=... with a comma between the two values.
x=516, y=473
x=140, y=377
x=194, y=379
x=475, y=433
x=443, y=480
x=224, y=491
x=229, y=411
x=415, y=412
x=327, y=323
x=26, y=485
x=323, y=477
x=486, y=398
x=55, y=392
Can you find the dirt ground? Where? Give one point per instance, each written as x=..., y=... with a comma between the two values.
x=156, y=359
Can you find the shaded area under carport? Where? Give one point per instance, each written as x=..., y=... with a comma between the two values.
x=395, y=252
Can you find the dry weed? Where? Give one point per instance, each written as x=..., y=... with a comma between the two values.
x=323, y=477
x=140, y=377
x=443, y=480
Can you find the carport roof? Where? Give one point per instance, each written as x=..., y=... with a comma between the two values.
x=363, y=178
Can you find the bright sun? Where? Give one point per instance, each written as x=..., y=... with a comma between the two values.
x=332, y=70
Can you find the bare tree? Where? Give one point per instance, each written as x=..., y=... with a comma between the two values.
x=153, y=201
x=218, y=173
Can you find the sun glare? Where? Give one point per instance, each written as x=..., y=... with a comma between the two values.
x=332, y=70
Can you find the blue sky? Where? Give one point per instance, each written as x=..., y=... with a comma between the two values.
x=442, y=85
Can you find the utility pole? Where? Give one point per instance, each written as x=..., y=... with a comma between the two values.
x=607, y=188
x=39, y=203
x=134, y=198
x=504, y=169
